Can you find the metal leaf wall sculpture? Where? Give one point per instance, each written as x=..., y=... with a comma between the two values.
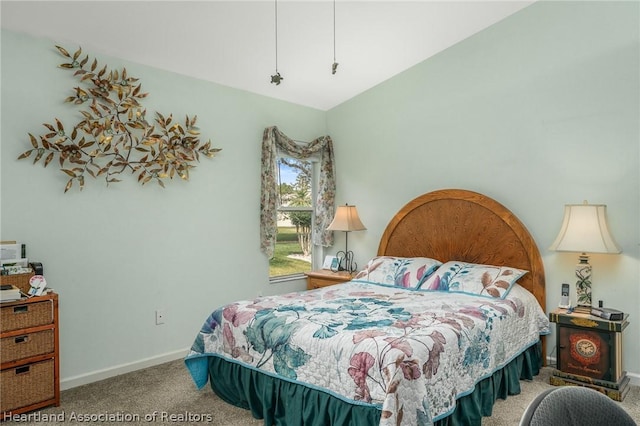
x=114, y=135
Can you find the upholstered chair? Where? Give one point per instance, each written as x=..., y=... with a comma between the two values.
x=574, y=406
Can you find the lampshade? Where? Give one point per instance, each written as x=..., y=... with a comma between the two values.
x=346, y=219
x=584, y=230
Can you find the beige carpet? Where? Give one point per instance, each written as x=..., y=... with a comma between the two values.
x=168, y=393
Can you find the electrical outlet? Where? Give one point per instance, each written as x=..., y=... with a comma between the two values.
x=159, y=316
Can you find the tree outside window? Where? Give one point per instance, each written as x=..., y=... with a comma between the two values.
x=294, y=250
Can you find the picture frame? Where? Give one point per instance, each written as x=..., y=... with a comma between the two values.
x=330, y=262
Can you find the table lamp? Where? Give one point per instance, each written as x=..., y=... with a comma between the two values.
x=347, y=220
x=584, y=230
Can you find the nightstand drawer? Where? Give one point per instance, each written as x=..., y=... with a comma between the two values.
x=313, y=283
x=588, y=321
x=26, y=345
x=24, y=315
x=325, y=278
x=27, y=384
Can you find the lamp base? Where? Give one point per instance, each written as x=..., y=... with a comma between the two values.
x=583, y=285
x=345, y=260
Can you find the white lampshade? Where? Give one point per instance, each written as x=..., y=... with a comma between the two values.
x=346, y=219
x=584, y=230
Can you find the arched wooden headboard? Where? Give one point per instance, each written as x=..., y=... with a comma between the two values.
x=455, y=224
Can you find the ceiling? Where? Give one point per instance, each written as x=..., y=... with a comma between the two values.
x=233, y=43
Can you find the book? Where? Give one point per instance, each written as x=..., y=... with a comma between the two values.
x=9, y=293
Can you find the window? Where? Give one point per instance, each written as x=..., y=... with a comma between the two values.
x=275, y=146
x=293, y=253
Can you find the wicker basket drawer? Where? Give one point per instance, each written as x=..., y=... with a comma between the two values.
x=24, y=315
x=26, y=385
x=19, y=280
x=26, y=345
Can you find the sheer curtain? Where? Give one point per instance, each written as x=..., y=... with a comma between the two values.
x=274, y=141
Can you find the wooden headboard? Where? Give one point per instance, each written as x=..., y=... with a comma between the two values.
x=455, y=224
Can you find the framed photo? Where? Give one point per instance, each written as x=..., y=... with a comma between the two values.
x=330, y=262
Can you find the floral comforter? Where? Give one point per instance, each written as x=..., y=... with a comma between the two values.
x=409, y=353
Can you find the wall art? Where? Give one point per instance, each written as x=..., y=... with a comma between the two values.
x=113, y=136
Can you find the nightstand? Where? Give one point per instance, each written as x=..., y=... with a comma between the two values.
x=325, y=277
x=589, y=353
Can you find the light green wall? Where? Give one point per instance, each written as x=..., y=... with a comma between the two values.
x=539, y=110
x=117, y=254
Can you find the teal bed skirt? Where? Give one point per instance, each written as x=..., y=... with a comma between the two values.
x=280, y=402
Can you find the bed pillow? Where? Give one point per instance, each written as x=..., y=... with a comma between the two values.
x=407, y=272
x=472, y=278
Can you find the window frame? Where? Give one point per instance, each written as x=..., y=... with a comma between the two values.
x=315, y=179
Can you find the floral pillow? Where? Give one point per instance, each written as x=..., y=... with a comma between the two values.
x=473, y=278
x=408, y=272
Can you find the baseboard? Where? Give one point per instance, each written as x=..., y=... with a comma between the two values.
x=117, y=370
x=634, y=378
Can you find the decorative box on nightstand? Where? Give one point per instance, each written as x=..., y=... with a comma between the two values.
x=589, y=353
x=326, y=277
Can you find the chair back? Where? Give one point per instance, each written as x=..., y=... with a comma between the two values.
x=574, y=406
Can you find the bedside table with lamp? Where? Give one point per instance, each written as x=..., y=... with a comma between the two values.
x=346, y=219
x=588, y=339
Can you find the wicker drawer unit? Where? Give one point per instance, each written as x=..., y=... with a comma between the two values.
x=29, y=355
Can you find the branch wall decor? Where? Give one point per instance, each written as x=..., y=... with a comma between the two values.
x=114, y=135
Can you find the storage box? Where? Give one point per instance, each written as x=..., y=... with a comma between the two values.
x=26, y=385
x=19, y=280
x=26, y=345
x=17, y=315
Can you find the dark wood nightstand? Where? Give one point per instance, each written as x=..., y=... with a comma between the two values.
x=325, y=277
x=589, y=353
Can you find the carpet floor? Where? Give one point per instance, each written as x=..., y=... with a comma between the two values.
x=166, y=394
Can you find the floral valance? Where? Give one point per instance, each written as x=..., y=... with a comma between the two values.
x=274, y=142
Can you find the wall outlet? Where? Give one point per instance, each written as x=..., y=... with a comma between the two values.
x=159, y=316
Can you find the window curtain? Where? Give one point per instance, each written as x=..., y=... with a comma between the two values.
x=274, y=141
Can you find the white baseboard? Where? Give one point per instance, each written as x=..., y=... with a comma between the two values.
x=117, y=370
x=634, y=378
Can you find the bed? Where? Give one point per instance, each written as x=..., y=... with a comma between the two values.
x=435, y=344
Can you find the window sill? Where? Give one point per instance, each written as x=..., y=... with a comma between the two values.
x=287, y=278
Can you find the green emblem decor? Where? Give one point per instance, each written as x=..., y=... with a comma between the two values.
x=114, y=135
